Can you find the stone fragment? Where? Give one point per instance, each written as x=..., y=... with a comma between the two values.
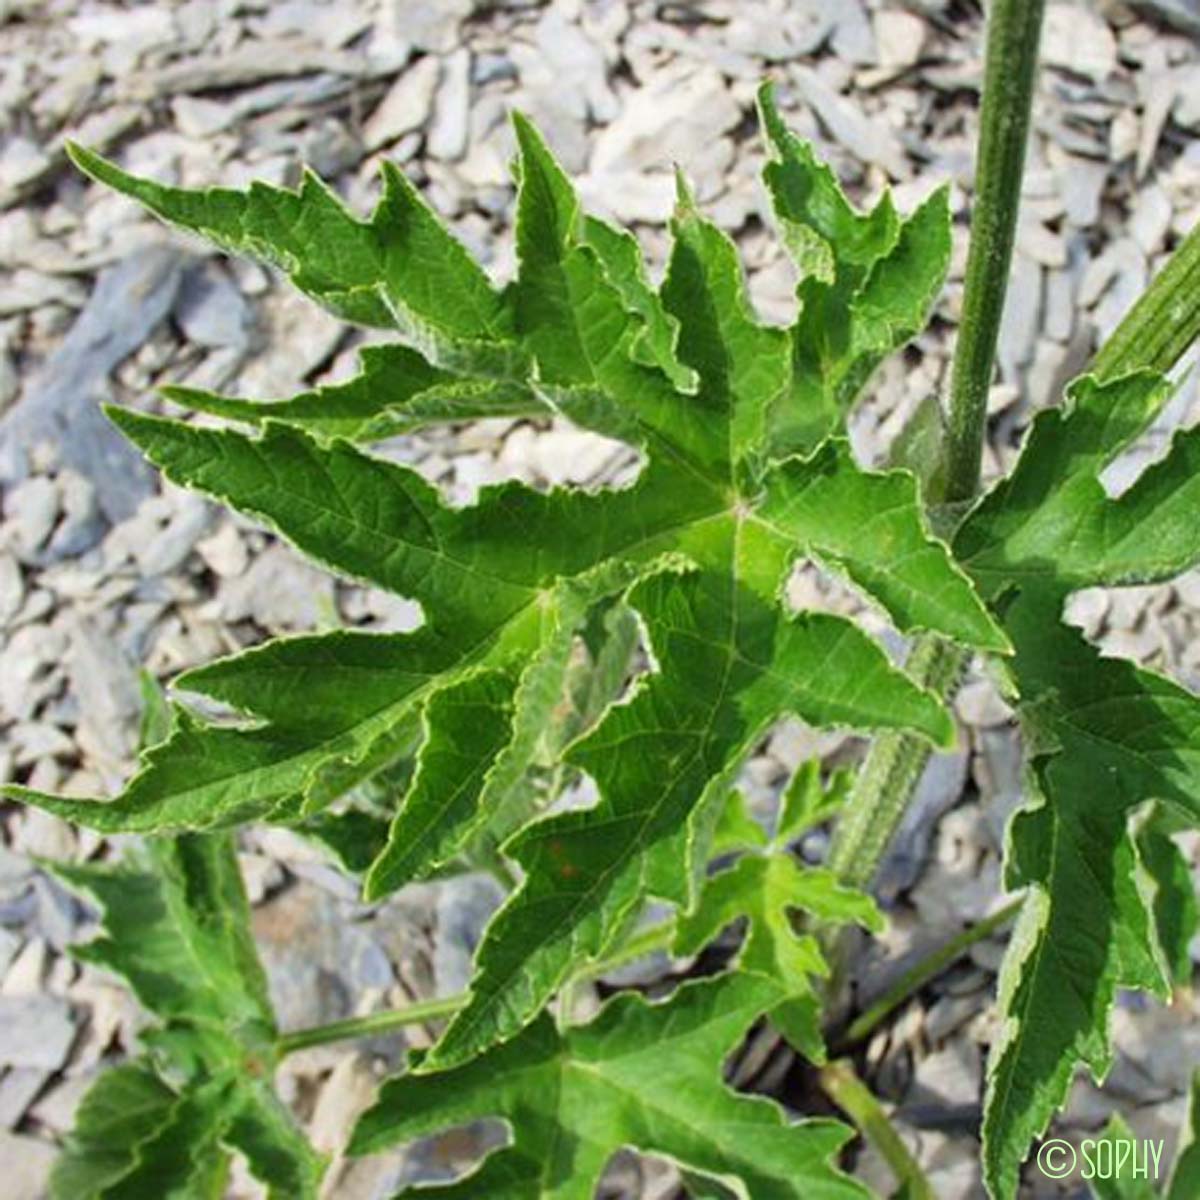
x=60, y=405
x=464, y=905
x=19, y=1087
x=448, y=131
x=899, y=36
x=952, y=1075
x=105, y=682
x=979, y=704
x=170, y=544
x=30, y=512
x=570, y=54
x=345, y=1094
x=407, y=105
x=939, y=789
x=211, y=309
x=27, y=1165
x=197, y=117
x=223, y=551
x=667, y=120
x=36, y=1032
x=1078, y=39
x=251, y=62
x=432, y=27
x=869, y=140
x=1022, y=316
x=279, y=591
x=1186, y=110
x=853, y=40
x=1150, y=219
x=1183, y=15
x=21, y=162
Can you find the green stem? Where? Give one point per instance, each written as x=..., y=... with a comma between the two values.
x=1153, y=335
x=646, y=941
x=373, y=1023
x=1014, y=27
x=930, y=967
x=895, y=761
x=854, y=1098
x=1163, y=323
x=890, y=772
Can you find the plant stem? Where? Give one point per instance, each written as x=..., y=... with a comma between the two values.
x=1014, y=27
x=1153, y=335
x=372, y=1023
x=1163, y=323
x=895, y=761
x=645, y=941
x=886, y=780
x=930, y=967
x=854, y=1098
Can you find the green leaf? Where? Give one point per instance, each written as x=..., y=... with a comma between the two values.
x=657, y=343
x=1112, y=1166
x=742, y=365
x=1174, y=897
x=155, y=724
x=696, y=551
x=400, y=269
x=1051, y=523
x=867, y=282
x=124, y=1108
x=396, y=391
x=585, y=340
x=807, y=802
x=736, y=829
x=771, y=889
x=181, y=1159
x=642, y=1075
x=1106, y=741
x=920, y=448
x=467, y=726
x=1185, y=1176
x=869, y=526
x=659, y=761
x=1107, y=738
x=176, y=927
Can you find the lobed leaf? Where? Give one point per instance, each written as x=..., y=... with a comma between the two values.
x=870, y=526
x=396, y=391
x=1051, y=522
x=641, y=1075
x=400, y=269
x=658, y=760
x=867, y=282
x=1107, y=739
x=696, y=551
x=176, y=927
x=770, y=888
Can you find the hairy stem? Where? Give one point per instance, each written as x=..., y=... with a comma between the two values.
x=1163, y=323
x=887, y=778
x=1014, y=27
x=929, y=968
x=854, y=1098
x=895, y=761
x=1153, y=335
